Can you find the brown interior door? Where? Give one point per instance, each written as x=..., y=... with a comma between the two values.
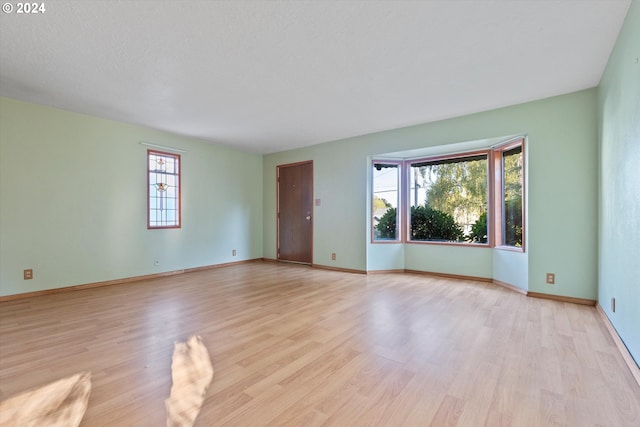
x=295, y=212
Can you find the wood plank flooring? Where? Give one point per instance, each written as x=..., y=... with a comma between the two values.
x=296, y=346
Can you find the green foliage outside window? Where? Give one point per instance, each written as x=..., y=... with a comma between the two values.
x=513, y=222
x=387, y=224
x=459, y=189
x=379, y=203
x=512, y=175
x=431, y=224
x=426, y=224
x=478, y=232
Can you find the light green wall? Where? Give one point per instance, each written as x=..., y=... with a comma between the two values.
x=73, y=201
x=457, y=260
x=508, y=267
x=562, y=196
x=383, y=257
x=619, y=102
x=335, y=178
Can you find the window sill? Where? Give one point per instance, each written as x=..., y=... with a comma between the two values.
x=509, y=249
x=464, y=245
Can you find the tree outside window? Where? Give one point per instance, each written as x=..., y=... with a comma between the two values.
x=512, y=179
x=449, y=199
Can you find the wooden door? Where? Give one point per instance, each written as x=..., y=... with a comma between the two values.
x=295, y=212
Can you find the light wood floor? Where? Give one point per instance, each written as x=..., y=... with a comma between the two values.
x=295, y=346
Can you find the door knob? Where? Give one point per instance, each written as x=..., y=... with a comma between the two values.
x=308, y=218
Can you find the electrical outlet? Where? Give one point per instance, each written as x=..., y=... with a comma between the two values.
x=156, y=262
x=28, y=274
x=551, y=278
x=233, y=252
x=333, y=256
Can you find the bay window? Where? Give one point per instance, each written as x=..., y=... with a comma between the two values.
x=470, y=198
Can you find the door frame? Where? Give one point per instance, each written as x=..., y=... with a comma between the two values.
x=278, y=210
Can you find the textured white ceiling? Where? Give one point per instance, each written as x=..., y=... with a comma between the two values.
x=267, y=76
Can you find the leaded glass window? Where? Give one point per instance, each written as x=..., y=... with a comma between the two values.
x=163, y=172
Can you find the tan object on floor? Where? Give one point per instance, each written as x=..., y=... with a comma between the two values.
x=191, y=372
x=59, y=404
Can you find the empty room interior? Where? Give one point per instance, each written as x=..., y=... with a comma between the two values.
x=320, y=213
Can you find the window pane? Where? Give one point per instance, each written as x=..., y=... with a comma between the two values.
x=163, y=190
x=384, y=210
x=512, y=196
x=448, y=200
